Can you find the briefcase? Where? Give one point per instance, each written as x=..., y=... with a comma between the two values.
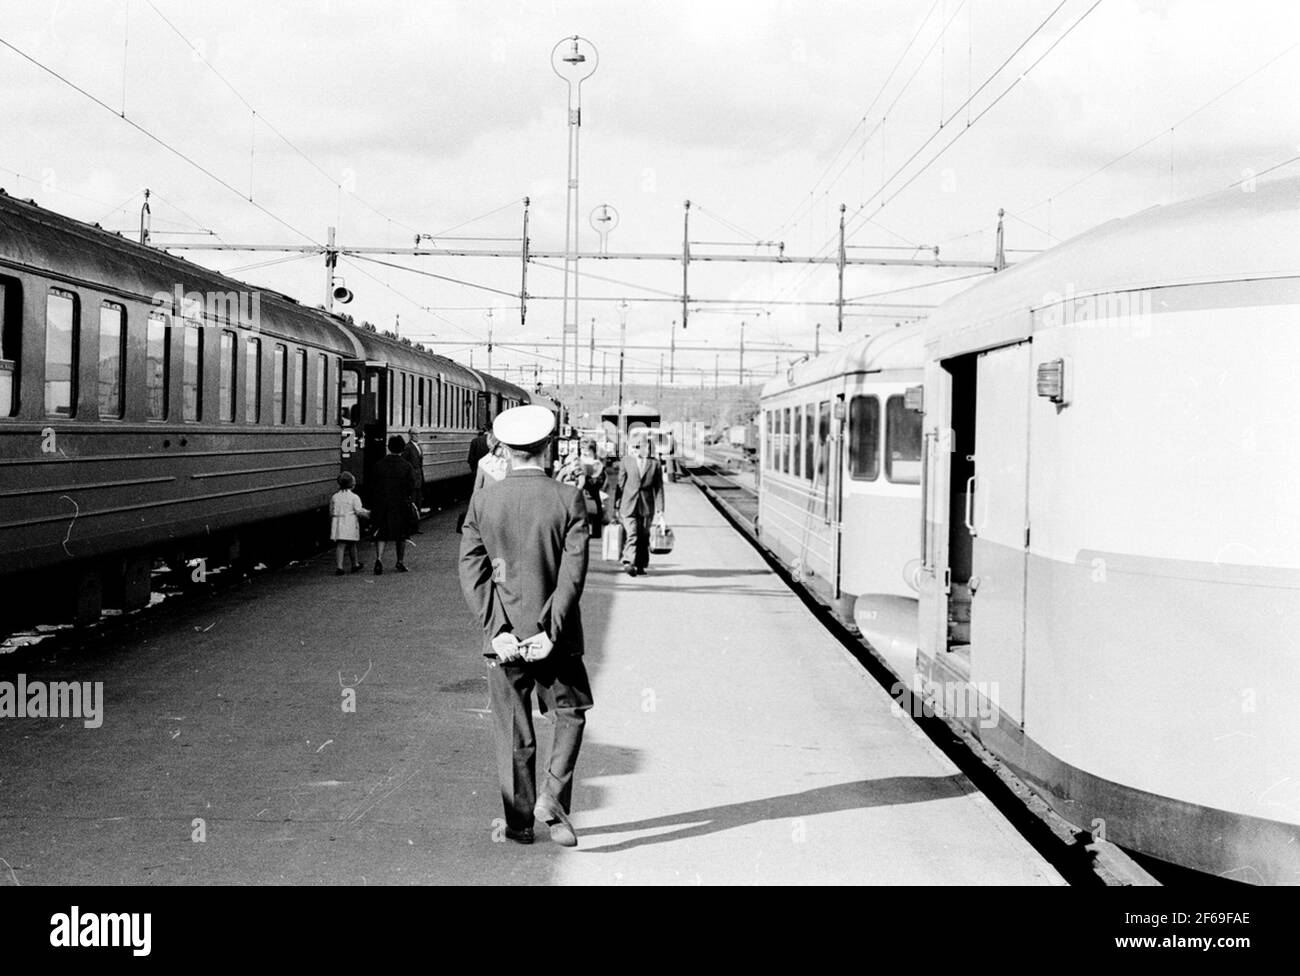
x=661, y=539
x=611, y=541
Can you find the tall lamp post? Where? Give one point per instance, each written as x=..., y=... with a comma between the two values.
x=573, y=59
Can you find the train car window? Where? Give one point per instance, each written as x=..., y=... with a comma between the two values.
x=322, y=389
x=192, y=371
x=796, y=459
x=338, y=386
x=253, y=383
x=787, y=442
x=902, y=442
x=809, y=441
x=406, y=402
x=157, y=366
x=11, y=335
x=864, y=438
x=349, y=396
x=112, y=359
x=422, y=383
x=226, y=378
x=392, y=400
x=279, y=380
x=767, y=447
x=62, y=338
x=823, y=439
x=300, y=387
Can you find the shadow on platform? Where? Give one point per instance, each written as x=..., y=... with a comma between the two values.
x=859, y=795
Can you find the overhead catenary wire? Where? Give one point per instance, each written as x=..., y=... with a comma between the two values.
x=259, y=116
x=157, y=139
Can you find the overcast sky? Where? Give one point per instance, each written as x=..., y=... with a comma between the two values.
x=766, y=115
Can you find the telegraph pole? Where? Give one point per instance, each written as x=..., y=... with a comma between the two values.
x=742, y=353
x=672, y=349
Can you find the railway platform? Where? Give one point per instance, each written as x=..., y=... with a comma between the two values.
x=733, y=741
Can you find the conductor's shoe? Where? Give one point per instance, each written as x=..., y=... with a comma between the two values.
x=521, y=835
x=552, y=814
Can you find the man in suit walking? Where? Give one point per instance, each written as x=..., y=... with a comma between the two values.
x=413, y=456
x=638, y=497
x=523, y=564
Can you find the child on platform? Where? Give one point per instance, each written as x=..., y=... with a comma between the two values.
x=345, y=529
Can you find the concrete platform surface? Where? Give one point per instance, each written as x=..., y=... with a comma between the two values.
x=732, y=742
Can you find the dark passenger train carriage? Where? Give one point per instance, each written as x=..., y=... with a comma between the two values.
x=152, y=407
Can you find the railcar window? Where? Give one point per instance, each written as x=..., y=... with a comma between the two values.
x=767, y=443
x=406, y=400
x=322, y=389
x=796, y=461
x=253, y=383
x=349, y=396
x=62, y=336
x=809, y=441
x=392, y=398
x=423, y=382
x=112, y=358
x=338, y=383
x=902, y=442
x=300, y=387
x=864, y=438
x=823, y=439
x=787, y=442
x=157, y=366
x=11, y=334
x=226, y=378
x=192, y=372
x=279, y=377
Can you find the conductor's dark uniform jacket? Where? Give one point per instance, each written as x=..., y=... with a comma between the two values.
x=523, y=559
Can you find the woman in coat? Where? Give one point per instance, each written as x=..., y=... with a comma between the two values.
x=392, y=503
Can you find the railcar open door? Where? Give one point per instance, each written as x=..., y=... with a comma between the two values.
x=996, y=517
x=374, y=419
x=355, y=406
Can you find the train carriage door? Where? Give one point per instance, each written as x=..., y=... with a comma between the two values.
x=375, y=412
x=996, y=516
x=355, y=407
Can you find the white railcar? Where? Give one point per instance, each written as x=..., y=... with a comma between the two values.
x=1111, y=553
x=839, y=483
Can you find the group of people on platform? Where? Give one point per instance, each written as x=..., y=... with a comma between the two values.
x=396, y=491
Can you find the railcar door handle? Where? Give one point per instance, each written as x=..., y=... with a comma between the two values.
x=970, y=505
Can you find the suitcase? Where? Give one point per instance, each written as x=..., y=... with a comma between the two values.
x=661, y=540
x=611, y=541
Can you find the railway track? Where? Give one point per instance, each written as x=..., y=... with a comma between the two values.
x=1081, y=858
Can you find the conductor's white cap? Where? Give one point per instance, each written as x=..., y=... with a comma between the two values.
x=523, y=426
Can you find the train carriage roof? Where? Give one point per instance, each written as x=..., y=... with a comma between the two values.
x=39, y=240
x=898, y=348
x=494, y=384
x=1230, y=235
x=382, y=348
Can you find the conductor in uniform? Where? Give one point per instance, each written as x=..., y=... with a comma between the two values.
x=523, y=563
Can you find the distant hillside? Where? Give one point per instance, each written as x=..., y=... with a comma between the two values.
x=727, y=405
